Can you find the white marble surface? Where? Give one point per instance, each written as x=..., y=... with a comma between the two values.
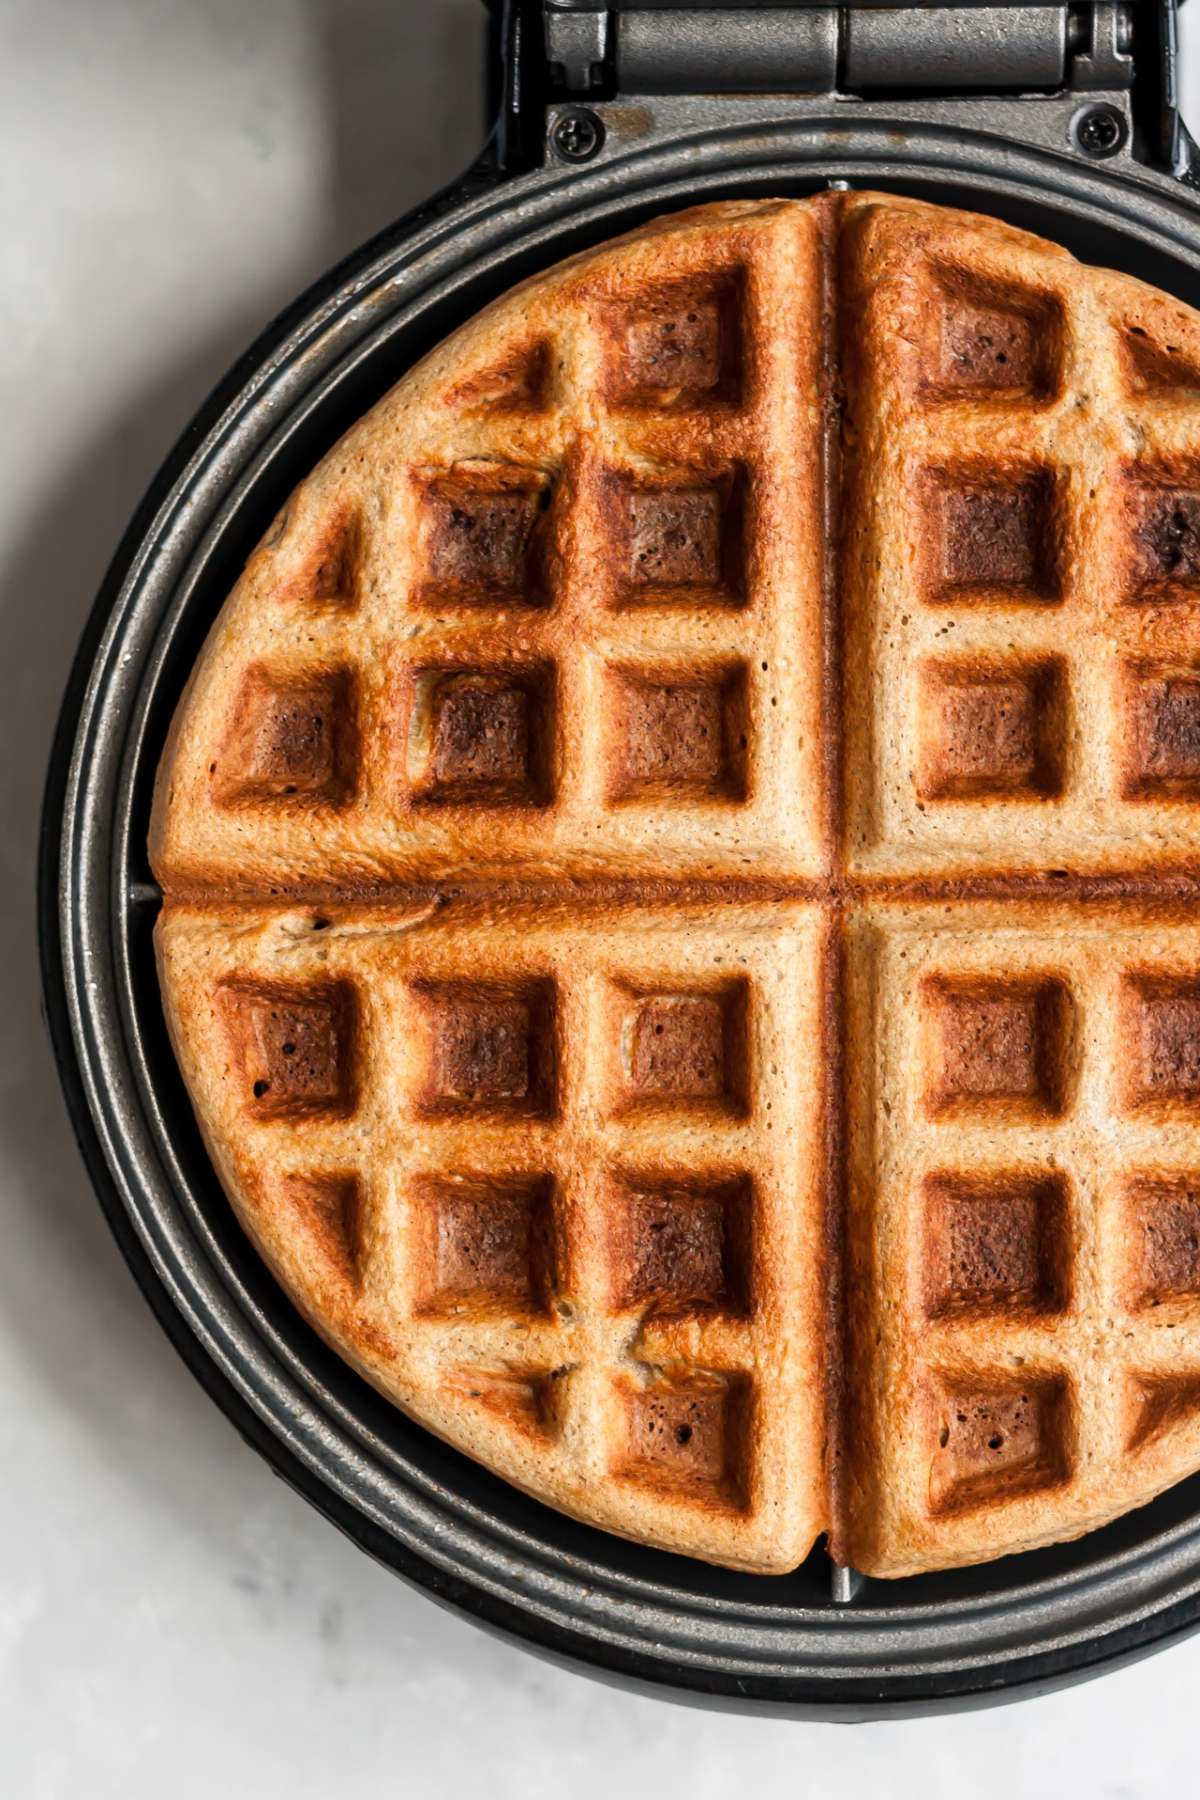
x=172, y=1619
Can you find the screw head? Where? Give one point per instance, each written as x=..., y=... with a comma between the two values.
x=577, y=134
x=1099, y=131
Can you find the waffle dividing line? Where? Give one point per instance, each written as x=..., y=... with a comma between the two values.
x=1160, y=888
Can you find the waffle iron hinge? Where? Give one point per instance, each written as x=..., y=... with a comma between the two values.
x=1098, y=80
x=701, y=46
x=1111, y=61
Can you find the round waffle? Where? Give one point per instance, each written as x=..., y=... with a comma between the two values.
x=679, y=860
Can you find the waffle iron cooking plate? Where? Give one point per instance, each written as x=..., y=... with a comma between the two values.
x=1060, y=119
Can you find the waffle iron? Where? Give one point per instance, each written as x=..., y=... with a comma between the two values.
x=1059, y=118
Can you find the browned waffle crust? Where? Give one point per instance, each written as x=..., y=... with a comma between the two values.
x=680, y=858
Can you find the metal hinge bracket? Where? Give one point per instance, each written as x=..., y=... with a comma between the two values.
x=632, y=47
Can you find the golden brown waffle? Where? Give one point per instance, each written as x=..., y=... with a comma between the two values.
x=533, y=1193
x=1023, y=557
x=1025, y=1224
x=554, y=608
x=676, y=861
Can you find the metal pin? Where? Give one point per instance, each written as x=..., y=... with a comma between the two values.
x=844, y=1585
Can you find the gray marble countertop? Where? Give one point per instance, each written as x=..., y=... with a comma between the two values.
x=173, y=1619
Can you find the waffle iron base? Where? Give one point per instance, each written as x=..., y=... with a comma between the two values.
x=818, y=1642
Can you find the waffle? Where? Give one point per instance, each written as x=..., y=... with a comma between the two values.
x=1023, y=558
x=528, y=1192
x=677, y=858
x=444, y=664
x=1024, y=1228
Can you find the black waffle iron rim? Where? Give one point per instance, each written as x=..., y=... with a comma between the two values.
x=427, y=1513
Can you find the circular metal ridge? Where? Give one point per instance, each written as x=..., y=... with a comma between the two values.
x=570, y=1591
